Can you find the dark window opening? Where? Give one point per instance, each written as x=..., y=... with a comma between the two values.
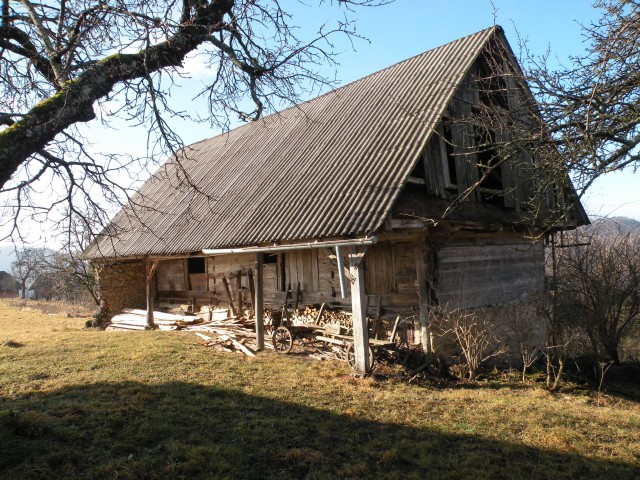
x=451, y=159
x=489, y=166
x=492, y=85
x=418, y=171
x=197, y=274
x=270, y=258
x=196, y=265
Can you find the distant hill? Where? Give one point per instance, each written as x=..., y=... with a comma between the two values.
x=620, y=225
x=7, y=257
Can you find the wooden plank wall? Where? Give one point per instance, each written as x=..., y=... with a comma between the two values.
x=516, y=173
x=170, y=275
x=317, y=272
x=474, y=275
x=390, y=272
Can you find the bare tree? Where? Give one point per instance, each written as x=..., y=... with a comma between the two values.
x=73, y=275
x=599, y=286
x=66, y=63
x=590, y=106
x=28, y=264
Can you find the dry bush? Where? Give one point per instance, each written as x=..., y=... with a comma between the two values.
x=472, y=333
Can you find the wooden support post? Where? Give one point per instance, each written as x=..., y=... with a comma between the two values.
x=296, y=304
x=360, y=331
x=151, y=268
x=423, y=297
x=252, y=290
x=239, y=293
x=226, y=287
x=258, y=301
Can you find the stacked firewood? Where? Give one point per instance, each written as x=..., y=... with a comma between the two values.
x=339, y=317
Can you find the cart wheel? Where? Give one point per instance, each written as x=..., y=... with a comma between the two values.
x=282, y=340
x=351, y=356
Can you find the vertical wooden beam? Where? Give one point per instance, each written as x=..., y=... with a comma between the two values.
x=341, y=276
x=423, y=295
x=360, y=331
x=225, y=283
x=252, y=290
x=259, y=301
x=239, y=293
x=150, y=269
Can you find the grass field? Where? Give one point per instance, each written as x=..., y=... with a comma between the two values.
x=78, y=403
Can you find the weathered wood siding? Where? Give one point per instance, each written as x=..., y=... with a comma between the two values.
x=170, y=275
x=391, y=274
x=456, y=135
x=471, y=272
x=474, y=275
x=389, y=270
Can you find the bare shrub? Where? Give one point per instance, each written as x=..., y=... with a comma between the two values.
x=525, y=326
x=473, y=334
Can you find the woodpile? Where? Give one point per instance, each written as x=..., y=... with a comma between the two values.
x=310, y=315
x=133, y=319
x=224, y=333
x=226, y=343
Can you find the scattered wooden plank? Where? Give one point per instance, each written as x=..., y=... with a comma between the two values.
x=138, y=320
x=124, y=326
x=246, y=350
x=163, y=315
x=203, y=337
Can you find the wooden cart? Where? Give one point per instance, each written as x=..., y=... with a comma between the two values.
x=285, y=335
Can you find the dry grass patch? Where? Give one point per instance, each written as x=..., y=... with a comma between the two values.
x=80, y=403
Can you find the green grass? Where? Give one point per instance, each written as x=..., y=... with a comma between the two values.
x=77, y=403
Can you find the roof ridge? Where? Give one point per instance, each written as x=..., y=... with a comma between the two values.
x=496, y=28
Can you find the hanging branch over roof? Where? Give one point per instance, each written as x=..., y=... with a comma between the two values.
x=61, y=60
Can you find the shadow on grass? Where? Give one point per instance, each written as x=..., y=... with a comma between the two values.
x=180, y=430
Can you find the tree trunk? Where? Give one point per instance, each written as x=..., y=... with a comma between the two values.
x=74, y=102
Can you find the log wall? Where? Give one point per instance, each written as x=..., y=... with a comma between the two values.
x=492, y=271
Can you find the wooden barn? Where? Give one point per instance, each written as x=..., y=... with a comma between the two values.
x=371, y=196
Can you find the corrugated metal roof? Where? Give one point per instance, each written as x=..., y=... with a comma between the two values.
x=330, y=167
